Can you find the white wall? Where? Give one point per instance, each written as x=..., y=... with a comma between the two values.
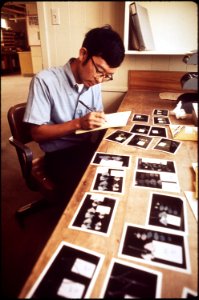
x=60, y=42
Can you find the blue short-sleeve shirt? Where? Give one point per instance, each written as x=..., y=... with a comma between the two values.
x=54, y=98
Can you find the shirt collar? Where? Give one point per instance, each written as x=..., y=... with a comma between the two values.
x=70, y=76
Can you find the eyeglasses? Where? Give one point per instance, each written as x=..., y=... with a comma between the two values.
x=100, y=74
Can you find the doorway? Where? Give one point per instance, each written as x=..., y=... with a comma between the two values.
x=20, y=41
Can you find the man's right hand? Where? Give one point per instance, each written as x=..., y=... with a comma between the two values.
x=92, y=120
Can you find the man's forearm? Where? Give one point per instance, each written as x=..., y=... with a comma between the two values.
x=45, y=132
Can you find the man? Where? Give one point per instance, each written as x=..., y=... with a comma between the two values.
x=64, y=99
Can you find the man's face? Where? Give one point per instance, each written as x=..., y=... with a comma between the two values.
x=93, y=71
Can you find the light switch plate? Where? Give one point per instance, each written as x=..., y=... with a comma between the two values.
x=55, y=16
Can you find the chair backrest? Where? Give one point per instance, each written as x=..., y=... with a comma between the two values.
x=20, y=130
x=32, y=169
x=20, y=136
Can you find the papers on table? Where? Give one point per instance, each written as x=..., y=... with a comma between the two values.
x=111, y=160
x=109, y=180
x=162, y=241
x=155, y=247
x=167, y=212
x=95, y=214
x=128, y=280
x=156, y=174
x=118, y=119
x=70, y=273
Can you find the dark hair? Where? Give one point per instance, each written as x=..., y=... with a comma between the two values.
x=106, y=43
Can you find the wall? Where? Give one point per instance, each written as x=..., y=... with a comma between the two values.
x=60, y=42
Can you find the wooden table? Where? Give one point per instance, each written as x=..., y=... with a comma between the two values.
x=130, y=210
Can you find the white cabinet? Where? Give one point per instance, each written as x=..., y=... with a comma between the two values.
x=174, y=26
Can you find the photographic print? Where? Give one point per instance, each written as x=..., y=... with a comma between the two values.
x=155, y=247
x=70, y=273
x=158, y=131
x=188, y=293
x=111, y=160
x=161, y=120
x=155, y=164
x=95, y=214
x=160, y=112
x=164, y=181
x=157, y=174
x=139, y=141
x=118, y=136
x=167, y=211
x=109, y=180
x=167, y=145
x=141, y=129
x=128, y=280
x=140, y=118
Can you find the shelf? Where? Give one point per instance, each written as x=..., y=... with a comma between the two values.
x=158, y=52
x=176, y=37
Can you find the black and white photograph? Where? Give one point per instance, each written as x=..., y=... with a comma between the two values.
x=161, y=120
x=95, y=214
x=158, y=131
x=168, y=212
x=111, y=160
x=139, y=141
x=140, y=118
x=155, y=247
x=140, y=129
x=160, y=112
x=188, y=293
x=155, y=164
x=162, y=181
x=167, y=145
x=156, y=173
x=70, y=273
x=127, y=280
x=118, y=136
x=109, y=180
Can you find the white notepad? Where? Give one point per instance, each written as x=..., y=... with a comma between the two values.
x=118, y=119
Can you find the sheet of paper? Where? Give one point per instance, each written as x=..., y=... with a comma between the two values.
x=84, y=268
x=70, y=289
x=167, y=251
x=118, y=119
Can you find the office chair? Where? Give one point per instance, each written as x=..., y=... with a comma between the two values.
x=32, y=168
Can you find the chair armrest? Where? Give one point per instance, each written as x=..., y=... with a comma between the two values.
x=25, y=156
x=23, y=148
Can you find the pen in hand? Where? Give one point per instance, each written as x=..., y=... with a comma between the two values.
x=90, y=109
